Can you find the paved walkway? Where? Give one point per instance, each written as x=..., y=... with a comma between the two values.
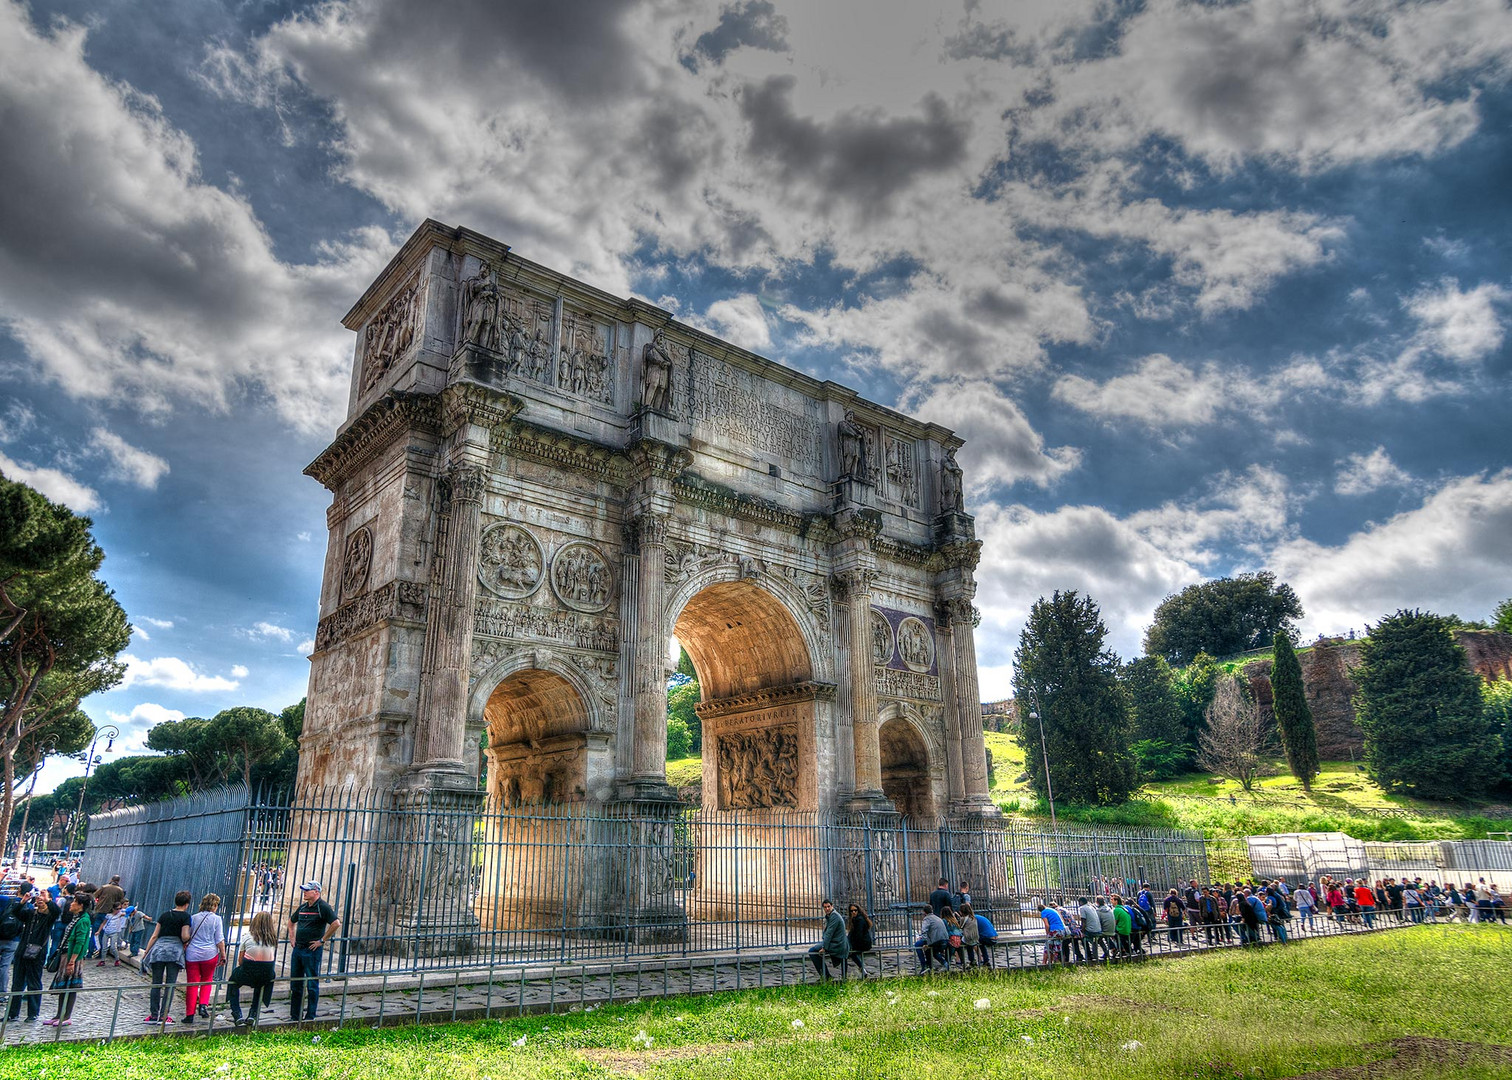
x=115, y=999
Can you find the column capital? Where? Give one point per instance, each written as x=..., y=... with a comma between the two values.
x=648, y=527
x=653, y=461
x=465, y=482
x=955, y=610
x=467, y=404
x=853, y=582
x=962, y=554
x=857, y=524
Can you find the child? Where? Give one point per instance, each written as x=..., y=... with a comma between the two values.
x=113, y=933
x=255, y=970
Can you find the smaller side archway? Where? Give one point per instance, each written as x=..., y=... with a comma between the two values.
x=906, y=774
x=537, y=725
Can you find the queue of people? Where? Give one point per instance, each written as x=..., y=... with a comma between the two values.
x=56, y=929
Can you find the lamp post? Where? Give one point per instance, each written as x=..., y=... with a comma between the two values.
x=30, y=789
x=111, y=733
x=1045, y=753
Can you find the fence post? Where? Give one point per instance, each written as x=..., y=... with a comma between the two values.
x=346, y=916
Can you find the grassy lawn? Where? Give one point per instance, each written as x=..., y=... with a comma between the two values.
x=1416, y=996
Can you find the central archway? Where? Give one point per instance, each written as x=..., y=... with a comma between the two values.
x=758, y=713
x=905, y=770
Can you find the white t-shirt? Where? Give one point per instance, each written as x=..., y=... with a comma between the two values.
x=206, y=932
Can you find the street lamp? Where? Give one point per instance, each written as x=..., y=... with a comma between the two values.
x=1034, y=714
x=111, y=733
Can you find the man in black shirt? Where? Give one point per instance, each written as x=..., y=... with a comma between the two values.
x=941, y=899
x=310, y=926
x=39, y=914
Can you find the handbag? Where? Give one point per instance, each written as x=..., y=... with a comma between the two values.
x=56, y=962
x=955, y=941
x=31, y=952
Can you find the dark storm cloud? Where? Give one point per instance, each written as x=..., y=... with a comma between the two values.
x=997, y=306
x=753, y=24
x=576, y=47
x=858, y=155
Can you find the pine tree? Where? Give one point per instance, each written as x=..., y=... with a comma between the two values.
x=1426, y=727
x=1299, y=735
x=1062, y=671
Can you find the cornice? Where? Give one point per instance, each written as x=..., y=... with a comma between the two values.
x=526, y=440
x=380, y=425
x=766, y=699
x=691, y=488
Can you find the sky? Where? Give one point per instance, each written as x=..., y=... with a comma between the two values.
x=1208, y=288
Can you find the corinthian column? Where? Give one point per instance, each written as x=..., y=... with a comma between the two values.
x=855, y=583
x=975, y=797
x=649, y=761
x=441, y=733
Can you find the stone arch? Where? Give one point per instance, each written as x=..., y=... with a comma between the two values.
x=907, y=775
x=762, y=705
x=538, y=716
x=816, y=640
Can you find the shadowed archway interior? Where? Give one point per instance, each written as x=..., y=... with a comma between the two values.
x=537, y=737
x=905, y=770
x=740, y=638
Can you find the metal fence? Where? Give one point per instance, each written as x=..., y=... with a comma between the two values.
x=158, y=848
x=434, y=881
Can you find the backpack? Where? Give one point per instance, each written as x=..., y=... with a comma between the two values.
x=11, y=925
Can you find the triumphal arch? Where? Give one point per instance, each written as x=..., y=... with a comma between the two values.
x=538, y=485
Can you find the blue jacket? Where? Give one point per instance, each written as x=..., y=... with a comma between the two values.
x=985, y=928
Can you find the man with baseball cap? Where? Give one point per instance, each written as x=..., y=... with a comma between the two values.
x=312, y=924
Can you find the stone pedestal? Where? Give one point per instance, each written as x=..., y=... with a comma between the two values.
x=430, y=889
x=647, y=875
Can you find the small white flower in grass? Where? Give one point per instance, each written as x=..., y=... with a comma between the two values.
x=1132, y=1044
x=643, y=1037
x=315, y=1038
x=518, y=1042
x=223, y=1067
x=797, y=1024
x=934, y=993
x=1028, y=1039
x=1065, y=1019
x=983, y=1003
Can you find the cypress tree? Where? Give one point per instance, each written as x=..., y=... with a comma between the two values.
x=1299, y=736
x=1427, y=730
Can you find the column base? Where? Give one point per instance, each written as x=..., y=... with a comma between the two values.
x=870, y=802
x=647, y=789
x=976, y=806
x=447, y=776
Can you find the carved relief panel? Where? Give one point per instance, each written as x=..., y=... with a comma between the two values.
x=510, y=561
x=758, y=769
x=356, y=563
x=902, y=470
x=526, y=336
x=581, y=577
x=390, y=334
x=584, y=365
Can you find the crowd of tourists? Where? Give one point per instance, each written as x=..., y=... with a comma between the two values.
x=1107, y=926
x=55, y=930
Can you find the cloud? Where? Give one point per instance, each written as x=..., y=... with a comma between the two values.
x=1439, y=556
x=751, y=24
x=127, y=462
x=1159, y=393
x=1001, y=448
x=271, y=630
x=1462, y=326
x=1313, y=85
x=172, y=673
x=303, y=537
x=741, y=320
x=135, y=724
x=161, y=624
x=1360, y=474
x=139, y=632
x=127, y=278
x=54, y=483
x=239, y=671
x=305, y=647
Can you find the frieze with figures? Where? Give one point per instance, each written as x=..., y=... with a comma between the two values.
x=367, y=611
x=912, y=685
x=913, y=637
x=356, y=563
x=510, y=561
x=506, y=619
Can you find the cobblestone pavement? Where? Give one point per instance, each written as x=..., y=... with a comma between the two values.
x=115, y=1000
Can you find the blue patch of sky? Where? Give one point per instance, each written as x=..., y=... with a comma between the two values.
x=282, y=160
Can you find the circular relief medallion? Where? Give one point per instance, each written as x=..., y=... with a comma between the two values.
x=915, y=644
x=882, y=638
x=357, y=562
x=510, y=561
x=581, y=578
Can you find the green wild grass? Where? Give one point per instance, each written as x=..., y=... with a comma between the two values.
x=1278, y=1012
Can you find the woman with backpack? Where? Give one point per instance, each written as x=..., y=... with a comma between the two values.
x=203, y=953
